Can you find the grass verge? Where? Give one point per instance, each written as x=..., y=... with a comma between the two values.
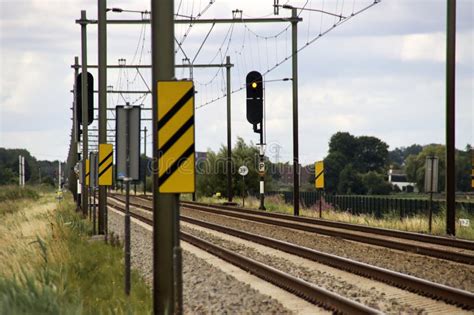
x=58, y=270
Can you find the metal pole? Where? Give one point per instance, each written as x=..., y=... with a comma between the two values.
x=262, y=172
x=320, y=204
x=127, y=203
x=75, y=153
x=450, y=118
x=59, y=175
x=102, y=72
x=229, y=136
x=294, y=68
x=201, y=21
x=432, y=158
x=94, y=211
x=243, y=192
x=144, y=148
x=90, y=198
x=85, y=118
x=165, y=206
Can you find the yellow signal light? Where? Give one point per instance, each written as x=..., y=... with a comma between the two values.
x=254, y=85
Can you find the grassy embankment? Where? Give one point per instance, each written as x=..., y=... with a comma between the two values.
x=48, y=265
x=418, y=223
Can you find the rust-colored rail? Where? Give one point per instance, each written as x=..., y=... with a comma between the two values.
x=423, y=287
x=299, y=287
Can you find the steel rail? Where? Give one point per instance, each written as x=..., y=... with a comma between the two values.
x=296, y=286
x=432, y=239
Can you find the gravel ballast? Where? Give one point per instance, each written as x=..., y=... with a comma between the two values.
x=372, y=298
x=206, y=289
x=441, y=271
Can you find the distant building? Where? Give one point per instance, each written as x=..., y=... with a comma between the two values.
x=399, y=179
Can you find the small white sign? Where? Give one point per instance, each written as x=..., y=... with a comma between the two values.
x=243, y=170
x=464, y=222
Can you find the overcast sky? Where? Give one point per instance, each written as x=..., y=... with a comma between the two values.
x=381, y=73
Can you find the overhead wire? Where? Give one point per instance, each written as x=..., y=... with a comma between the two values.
x=342, y=20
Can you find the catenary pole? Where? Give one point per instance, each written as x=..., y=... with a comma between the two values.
x=127, y=180
x=450, y=118
x=75, y=130
x=102, y=72
x=166, y=271
x=294, y=68
x=229, y=130
x=23, y=171
x=144, y=152
x=84, y=98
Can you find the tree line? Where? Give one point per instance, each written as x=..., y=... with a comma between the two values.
x=36, y=172
x=354, y=165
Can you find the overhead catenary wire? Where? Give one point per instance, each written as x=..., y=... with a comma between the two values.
x=304, y=46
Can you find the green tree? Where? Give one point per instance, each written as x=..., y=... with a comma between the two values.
x=343, y=143
x=334, y=163
x=212, y=176
x=415, y=165
x=363, y=154
x=371, y=154
x=376, y=183
x=351, y=181
x=463, y=169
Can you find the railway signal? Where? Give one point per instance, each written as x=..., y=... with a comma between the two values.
x=254, y=84
x=90, y=98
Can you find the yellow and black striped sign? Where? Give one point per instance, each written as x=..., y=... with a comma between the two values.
x=88, y=172
x=319, y=174
x=176, y=137
x=105, y=164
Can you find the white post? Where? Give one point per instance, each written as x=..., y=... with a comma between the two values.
x=23, y=171
x=19, y=170
x=59, y=175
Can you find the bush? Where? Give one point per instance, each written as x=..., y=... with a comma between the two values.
x=11, y=193
x=375, y=184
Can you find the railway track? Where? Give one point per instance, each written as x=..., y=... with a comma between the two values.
x=308, y=291
x=460, y=251
x=423, y=287
x=437, y=249
x=425, y=238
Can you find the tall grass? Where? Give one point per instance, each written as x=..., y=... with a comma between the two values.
x=72, y=275
x=11, y=198
x=10, y=193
